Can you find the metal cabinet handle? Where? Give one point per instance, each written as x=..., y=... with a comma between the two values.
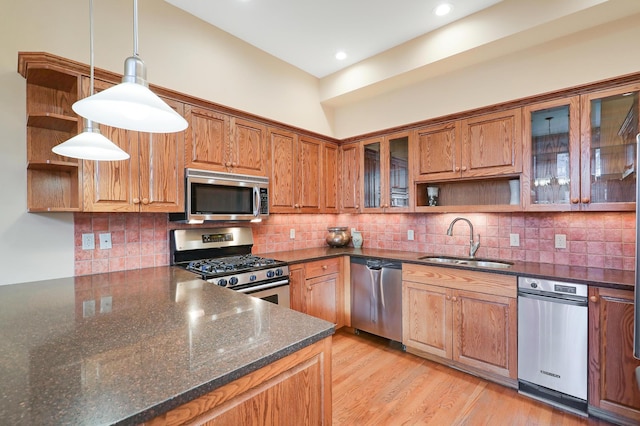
x=324, y=267
x=575, y=200
x=454, y=299
x=594, y=299
x=145, y=201
x=586, y=200
x=136, y=201
x=447, y=297
x=464, y=168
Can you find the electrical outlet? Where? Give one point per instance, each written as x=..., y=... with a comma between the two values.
x=88, y=242
x=561, y=241
x=514, y=240
x=105, y=241
x=105, y=304
x=292, y=234
x=410, y=235
x=88, y=308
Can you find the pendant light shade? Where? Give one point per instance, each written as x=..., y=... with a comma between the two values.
x=91, y=145
x=131, y=105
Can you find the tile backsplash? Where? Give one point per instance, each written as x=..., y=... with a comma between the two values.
x=603, y=240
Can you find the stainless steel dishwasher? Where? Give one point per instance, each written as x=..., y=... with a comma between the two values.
x=552, y=342
x=376, y=297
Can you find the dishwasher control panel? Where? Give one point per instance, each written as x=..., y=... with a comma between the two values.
x=550, y=286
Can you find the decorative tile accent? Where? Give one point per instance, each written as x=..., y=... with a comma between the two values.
x=605, y=240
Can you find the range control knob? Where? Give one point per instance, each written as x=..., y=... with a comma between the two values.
x=278, y=272
x=222, y=282
x=270, y=274
x=534, y=285
x=253, y=278
x=233, y=280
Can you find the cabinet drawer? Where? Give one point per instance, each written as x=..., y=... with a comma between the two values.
x=461, y=279
x=322, y=267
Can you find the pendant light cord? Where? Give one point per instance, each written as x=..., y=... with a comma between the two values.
x=135, y=27
x=91, y=46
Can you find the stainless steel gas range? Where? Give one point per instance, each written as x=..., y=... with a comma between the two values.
x=222, y=256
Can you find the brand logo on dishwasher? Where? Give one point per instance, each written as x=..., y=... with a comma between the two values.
x=557, y=376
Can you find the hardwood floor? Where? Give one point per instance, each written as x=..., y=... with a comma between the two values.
x=376, y=384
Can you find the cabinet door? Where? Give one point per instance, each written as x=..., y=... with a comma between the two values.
x=162, y=169
x=426, y=319
x=309, y=177
x=113, y=186
x=612, y=381
x=397, y=196
x=350, y=178
x=437, y=152
x=284, y=172
x=551, y=171
x=207, y=139
x=248, y=151
x=485, y=332
x=492, y=144
x=372, y=161
x=297, y=287
x=320, y=297
x=330, y=177
x=609, y=128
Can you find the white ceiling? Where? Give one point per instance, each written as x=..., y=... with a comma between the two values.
x=308, y=33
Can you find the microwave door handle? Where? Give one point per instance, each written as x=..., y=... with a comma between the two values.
x=257, y=200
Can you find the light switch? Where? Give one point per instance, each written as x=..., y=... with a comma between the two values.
x=88, y=242
x=561, y=241
x=410, y=235
x=514, y=240
x=105, y=241
x=292, y=234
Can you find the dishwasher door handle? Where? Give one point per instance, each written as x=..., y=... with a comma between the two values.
x=565, y=300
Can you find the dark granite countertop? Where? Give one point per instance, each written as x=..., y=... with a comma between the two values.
x=127, y=346
x=612, y=278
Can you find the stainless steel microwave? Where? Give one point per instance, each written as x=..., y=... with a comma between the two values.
x=216, y=196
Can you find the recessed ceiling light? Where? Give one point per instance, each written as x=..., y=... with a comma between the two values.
x=443, y=9
x=341, y=55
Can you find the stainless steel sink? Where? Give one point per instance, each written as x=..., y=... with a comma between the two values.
x=467, y=261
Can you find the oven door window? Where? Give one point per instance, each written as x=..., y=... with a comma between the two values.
x=221, y=199
x=278, y=295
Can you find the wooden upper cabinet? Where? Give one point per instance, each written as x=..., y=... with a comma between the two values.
x=248, y=147
x=151, y=180
x=437, y=152
x=297, y=182
x=350, y=178
x=223, y=143
x=331, y=177
x=492, y=144
x=207, y=139
x=310, y=188
x=284, y=169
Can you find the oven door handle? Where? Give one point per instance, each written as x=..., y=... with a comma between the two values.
x=263, y=286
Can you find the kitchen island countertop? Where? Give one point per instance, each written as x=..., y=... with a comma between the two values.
x=603, y=277
x=124, y=347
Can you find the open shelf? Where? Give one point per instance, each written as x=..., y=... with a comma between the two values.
x=53, y=121
x=468, y=195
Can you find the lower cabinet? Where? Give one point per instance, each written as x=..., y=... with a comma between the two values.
x=317, y=289
x=613, y=389
x=466, y=319
x=294, y=390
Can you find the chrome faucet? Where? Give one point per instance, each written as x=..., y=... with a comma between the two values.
x=473, y=246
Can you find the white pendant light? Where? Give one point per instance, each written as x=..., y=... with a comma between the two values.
x=131, y=105
x=90, y=144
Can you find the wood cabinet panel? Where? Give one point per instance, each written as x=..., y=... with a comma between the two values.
x=492, y=144
x=282, y=184
x=320, y=297
x=437, y=152
x=485, y=332
x=293, y=390
x=613, y=390
x=248, y=149
x=330, y=177
x=310, y=174
x=427, y=316
x=350, y=178
x=207, y=139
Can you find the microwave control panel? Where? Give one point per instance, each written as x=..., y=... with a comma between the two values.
x=264, y=201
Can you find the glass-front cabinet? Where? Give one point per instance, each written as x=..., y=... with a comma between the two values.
x=581, y=152
x=385, y=171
